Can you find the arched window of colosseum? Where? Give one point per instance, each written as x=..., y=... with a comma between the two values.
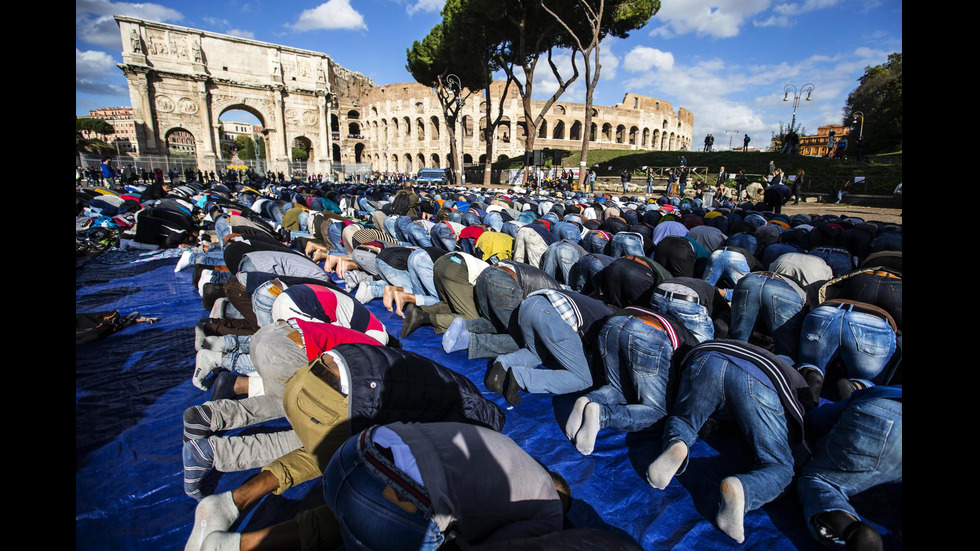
x=665, y=124
x=502, y=158
x=419, y=109
x=421, y=161
x=560, y=109
x=353, y=115
x=421, y=129
x=353, y=130
x=334, y=123
x=633, y=132
x=467, y=126
x=483, y=159
x=374, y=112
x=483, y=129
x=620, y=134
x=407, y=126
x=408, y=163
x=607, y=132
x=595, y=112
x=646, y=137
x=336, y=153
x=435, y=129
x=359, y=153
x=467, y=159
x=592, y=132
x=543, y=129
x=559, y=132
x=671, y=141
x=576, y=132
x=394, y=128
x=503, y=130
x=435, y=161
x=521, y=129
x=656, y=140
x=394, y=163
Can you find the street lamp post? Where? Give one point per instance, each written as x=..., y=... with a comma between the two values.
x=856, y=115
x=808, y=88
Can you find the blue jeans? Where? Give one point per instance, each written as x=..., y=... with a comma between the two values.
x=353, y=484
x=745, y=241
x=726, y=267
x=390, y=227
x=547, y=336
x=335, y=233
x=582, y=273
x=393, y=276
x=558, y=260
x=865, y=343
x=420, y=273
x=711, y=383
x=442, y=236
x=222, y=228
x=695, y=317
x=262, y=301
x=636, y=394
x=649, y=187
x=777, y=302
x=566, y=231
x=494, y=220
x=595, y=242
x=626, y=243
x=863, y=450
x=417, y=235
x=774, y=251
x=839, y=260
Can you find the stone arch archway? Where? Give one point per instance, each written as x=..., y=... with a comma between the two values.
x=187, y=78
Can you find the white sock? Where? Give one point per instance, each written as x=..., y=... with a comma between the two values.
x=575, y=418
x=664, y=467
x=222, y=541
x=731, y=514
x=585, y=439
x=215, y=513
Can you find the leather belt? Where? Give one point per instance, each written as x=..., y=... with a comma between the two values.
x=510, y=271
x=671, y=295
x=863, y=308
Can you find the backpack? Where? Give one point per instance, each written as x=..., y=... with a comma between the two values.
x=95, y=326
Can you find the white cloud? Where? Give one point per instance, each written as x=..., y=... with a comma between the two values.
x=773, y=21
x=804, y=7
x=644, y=58
x=434, y=6
x=714, y=18
x=94, y=23
x=89, y=64
x=332, y=15
x=607, y=60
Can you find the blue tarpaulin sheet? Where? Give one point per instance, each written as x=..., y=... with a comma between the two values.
x=132, y=388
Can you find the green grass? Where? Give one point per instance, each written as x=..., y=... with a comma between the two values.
x=822, y=175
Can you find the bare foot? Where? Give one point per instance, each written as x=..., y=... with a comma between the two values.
x=389, y=296
x=401, y=299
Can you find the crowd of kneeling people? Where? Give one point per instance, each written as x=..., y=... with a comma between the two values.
x=656, y=312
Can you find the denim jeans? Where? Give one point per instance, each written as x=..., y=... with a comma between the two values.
x=222, y=228
x=566, y=231
x=335, y=237
x=865, y=343
x=711, y=382
x=558, y=260
x=774, y=251
x=863, y=450
x=423, y=281
x=694, y=316
x=390, y=227
x=726, y=267
x=839, y=260
x=393, y=276
x=745, y=241
x=353, y=487
x=262, y=301
x=779, y=305
x=626, y=243
x=637, y=359
x=494, y=220
x=547, y=336
x=595, y=242
x=582, y=274
x=441, y=235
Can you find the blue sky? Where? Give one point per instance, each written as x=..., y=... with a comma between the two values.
x=727, y=61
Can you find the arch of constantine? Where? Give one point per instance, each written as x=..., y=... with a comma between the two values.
x=181, y=80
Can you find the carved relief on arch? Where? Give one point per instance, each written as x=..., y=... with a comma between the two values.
x=290, y=116
x=164, y=104
x=187, y=106
x=309, y=118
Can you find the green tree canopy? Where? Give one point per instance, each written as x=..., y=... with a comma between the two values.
x=98, y=126
x=879, y=97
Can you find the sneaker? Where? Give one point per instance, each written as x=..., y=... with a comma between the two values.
x=198, y=458
x=207, y=361
x=364, y=293
x=456, y=337
x=353, y=278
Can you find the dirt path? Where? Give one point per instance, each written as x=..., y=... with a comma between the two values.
x=888, y=215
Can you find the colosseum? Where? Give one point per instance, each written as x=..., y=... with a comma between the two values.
x=399, y=126
x=182, y=80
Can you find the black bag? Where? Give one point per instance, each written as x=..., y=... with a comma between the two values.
x=94, y=326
